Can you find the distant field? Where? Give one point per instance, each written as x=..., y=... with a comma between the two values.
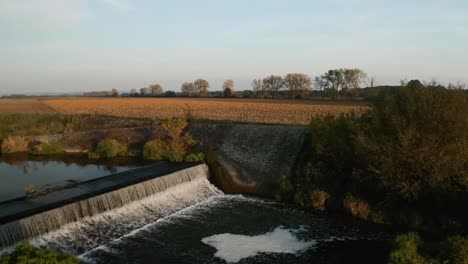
x=24, y=106
x=261, y=111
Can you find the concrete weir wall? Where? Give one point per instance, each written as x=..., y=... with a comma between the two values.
x=243, y=158
x=250, y=158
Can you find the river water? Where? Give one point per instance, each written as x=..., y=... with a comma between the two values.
x=194, y=222
x=17, y=171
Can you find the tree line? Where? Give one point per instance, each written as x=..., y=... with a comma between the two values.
x=344, y=83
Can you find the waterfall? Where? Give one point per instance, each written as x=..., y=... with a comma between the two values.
x=101, y=210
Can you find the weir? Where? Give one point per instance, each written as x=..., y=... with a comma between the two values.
x=26, y=219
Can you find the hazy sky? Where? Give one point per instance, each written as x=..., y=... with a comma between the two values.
x=82, y=45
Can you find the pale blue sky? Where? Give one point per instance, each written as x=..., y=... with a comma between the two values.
x=82, y=45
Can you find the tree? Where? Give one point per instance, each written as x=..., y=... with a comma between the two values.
x=133, y=92
x=187, y=89
x=371, y=81
x=273, y=84
x=156, y=89
x=114, y=92
x=257, y=87
x=334, y=79
x=200, y=87
x=228, y=88
x=352, y=79
x=298, y=84
x=144, y=91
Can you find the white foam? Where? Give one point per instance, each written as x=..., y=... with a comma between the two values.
x=96, y=231
x=232, y=248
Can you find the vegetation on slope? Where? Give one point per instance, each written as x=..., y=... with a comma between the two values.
x=25, y=253
x=173, y=144
x=404, y=161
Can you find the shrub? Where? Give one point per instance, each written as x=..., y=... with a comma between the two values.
x=31, y=191
x=318, y=200
x=47, y=149
x=13, y=144
x=406, y=250
x=109, y=148
x=26, y=253
x=410, y=248
x=356, y=207
x=195, y=157
x=175, y=146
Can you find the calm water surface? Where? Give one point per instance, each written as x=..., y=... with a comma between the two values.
x=17, y=171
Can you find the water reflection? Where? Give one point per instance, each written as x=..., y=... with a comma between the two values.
x=19, y=170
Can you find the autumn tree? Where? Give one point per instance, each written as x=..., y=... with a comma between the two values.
x=273, y=84
x=257, y=87
x=352, y=80
x=156, y=89
x=114, y=92
x=298, y=84
x=187, y=89
x=228, y=88
x=201, y=86
x=144, y=91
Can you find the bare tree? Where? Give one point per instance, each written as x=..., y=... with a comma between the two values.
x=298, y=84
x=114, y=92
x=201, y=86
x=371, y=81
x=257, y=87
x=187, y=89
x=133, y=92
x=156, y=89
x=273, y=84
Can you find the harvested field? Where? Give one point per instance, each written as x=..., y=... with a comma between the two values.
x=259, y=111
x=24, y=106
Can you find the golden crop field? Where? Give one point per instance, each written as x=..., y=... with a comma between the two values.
x=260, y=111
x=24, y=106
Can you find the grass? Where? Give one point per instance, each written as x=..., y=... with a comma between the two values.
x=43, y=124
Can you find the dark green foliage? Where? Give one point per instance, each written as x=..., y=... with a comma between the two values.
x=25, y=253
x=407, y=158
x=416, y=144
x=411, y=249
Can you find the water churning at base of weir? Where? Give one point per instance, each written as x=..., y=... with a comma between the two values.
x=86, y=224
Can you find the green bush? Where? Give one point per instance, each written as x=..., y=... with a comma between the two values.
x=175, y=146
x=46, y=149
x=25, y=253
x=406, y=250
x=109, y=148
x=14, y=144
x=411, y=249
x=195, y=157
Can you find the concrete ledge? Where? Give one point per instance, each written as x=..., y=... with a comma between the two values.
x=21, y=208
